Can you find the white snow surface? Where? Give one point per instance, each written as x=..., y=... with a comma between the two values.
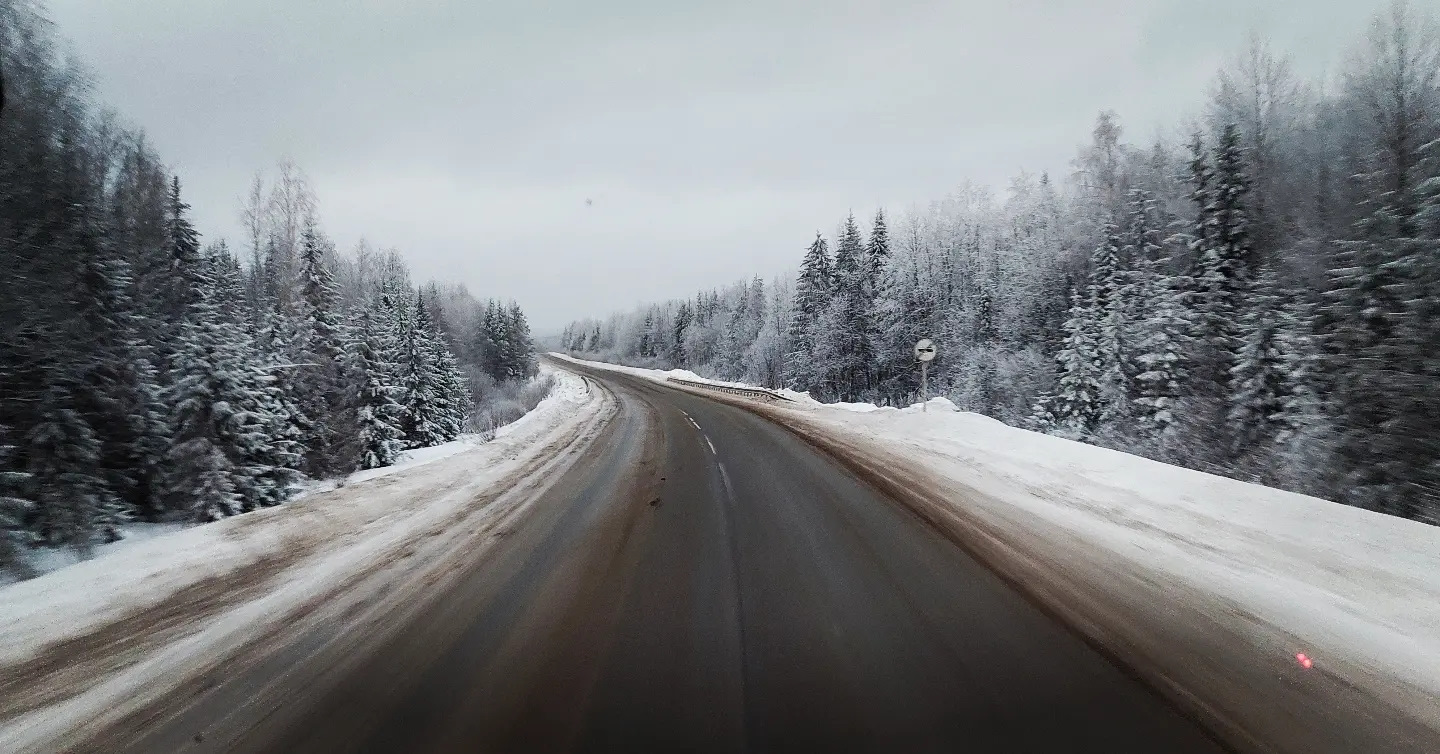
x=46, y=559
x=1339, y=582
x=144, y=570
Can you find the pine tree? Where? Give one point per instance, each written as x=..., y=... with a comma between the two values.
x=1225, y=256
x=208, y=408
x=184, y=250
x=16, y=505
x=1157, y=321
x=849, y=260
x=1161, y=360
x=230, y=287
x=1111, y=292
x=1258, y=380
x=72, y=504
x=843, y=349
x=322, y=383
x=877, y=261
x=681, y=323
x=646, y=330
x=812, y=299
x=379, y=414
x=1383, y=336
x=877, y=254
x=452, y=393
x=1075, y=407
x=117, y=391
x=526, y=363
x=1304, y=441
x=423, y=419
x=907, y=310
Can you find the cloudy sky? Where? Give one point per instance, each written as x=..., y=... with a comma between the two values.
x=713, y=138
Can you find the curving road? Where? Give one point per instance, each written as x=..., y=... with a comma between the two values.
x=703, y=582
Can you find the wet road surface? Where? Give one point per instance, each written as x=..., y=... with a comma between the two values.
x=702, y=582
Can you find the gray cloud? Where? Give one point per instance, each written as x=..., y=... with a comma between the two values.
x=714, y=138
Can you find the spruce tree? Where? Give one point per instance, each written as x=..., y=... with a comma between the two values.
x=73, y=506
x=16, y=505
x=184, y=247
x=423, y=421
x=877, y=255
x=1074, y=409
x=1258, y=381
x=1156, y=321
x=323, y=385
x=453, y=398
x=843, y=350
x=1110, y=291
x=1225, y=255
x=680, y=324
x=379, y=414
x=812, y=299
x=117, y=391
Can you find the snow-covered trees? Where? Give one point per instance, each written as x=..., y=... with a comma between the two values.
x=319, y=379
x=1157, y=323
x=1075, y=407
x=145, y=376
x=1265, y=304
x=843, y=353
x=378, y=414
x=813, y=291
x=73, y=505
x=433, y=395
x=505, y=350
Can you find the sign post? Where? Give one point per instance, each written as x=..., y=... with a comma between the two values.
x=924, y=353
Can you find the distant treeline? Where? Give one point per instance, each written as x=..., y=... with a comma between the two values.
x=1260, y=299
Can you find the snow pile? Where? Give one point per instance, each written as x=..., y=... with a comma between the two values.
x=1336, y=581
x=43, y=560
x=316, y=540
x=1344, y=581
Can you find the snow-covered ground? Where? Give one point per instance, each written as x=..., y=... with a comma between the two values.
x=44, y=560
x=231, y=579
x=1357, y=592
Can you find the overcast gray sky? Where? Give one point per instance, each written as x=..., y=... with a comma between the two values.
x=714, y=138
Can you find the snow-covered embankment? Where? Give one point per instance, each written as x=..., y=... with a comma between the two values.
x=83, y=645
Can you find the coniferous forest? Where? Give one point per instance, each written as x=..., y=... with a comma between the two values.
x=1258, y=296
x=147, y=375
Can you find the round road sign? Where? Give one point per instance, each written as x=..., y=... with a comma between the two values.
x=925, y=350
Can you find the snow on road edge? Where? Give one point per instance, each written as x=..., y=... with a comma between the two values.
x=358, y=528
x=1345, y=583
x=78, y=599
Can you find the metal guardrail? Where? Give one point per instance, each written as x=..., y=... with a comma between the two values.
x=748, y=392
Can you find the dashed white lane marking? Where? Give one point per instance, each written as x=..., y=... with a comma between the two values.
x=711, y=444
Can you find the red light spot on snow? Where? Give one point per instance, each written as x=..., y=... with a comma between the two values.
x=1304, y=660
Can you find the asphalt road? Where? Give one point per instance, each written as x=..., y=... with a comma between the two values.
x=703, y=582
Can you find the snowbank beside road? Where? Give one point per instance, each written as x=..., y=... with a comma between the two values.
x=147, y=616
x=1356, y=592
x=44, y=560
